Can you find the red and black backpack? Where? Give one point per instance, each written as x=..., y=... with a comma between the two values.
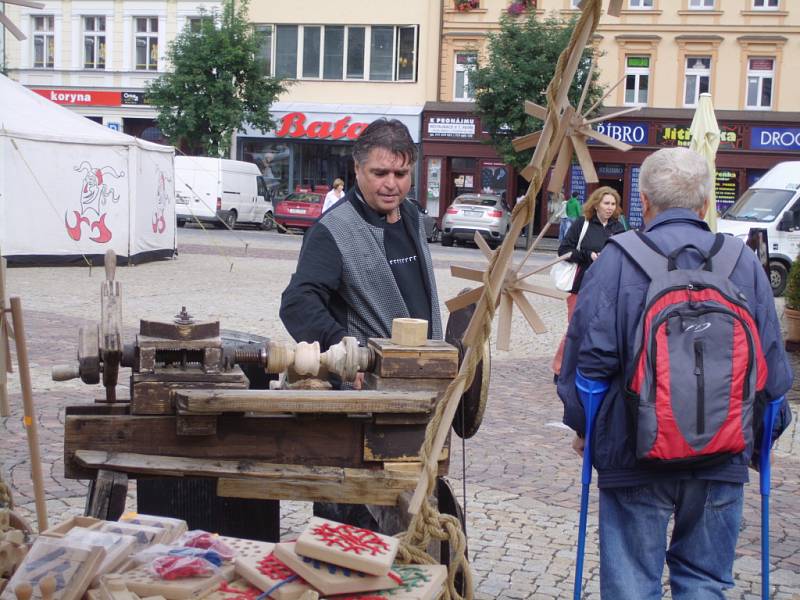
x=698, y=362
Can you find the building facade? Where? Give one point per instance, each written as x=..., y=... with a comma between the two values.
x=346, y=69
x=96, y=56
x=661, y=55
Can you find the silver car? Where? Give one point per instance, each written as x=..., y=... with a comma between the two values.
x=469, y=213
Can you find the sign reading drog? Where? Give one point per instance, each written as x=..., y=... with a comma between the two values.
x=775, y=138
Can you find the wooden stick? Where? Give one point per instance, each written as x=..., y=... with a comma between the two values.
x=584, y=158
x=466, y=273
x=29, y=419
x=523, y=142
x=586, y=85
x=5, y=354
x=544, y=267
x=464, y=300
x=504, y=322
x=606, y=95
x=606, y=139
x=541, y=290
x=619, y=113
x=484, y=247
x=528, y=311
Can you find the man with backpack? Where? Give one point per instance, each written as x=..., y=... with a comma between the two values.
x=681, y=324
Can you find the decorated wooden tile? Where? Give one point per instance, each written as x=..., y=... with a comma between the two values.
x=117, y=546
x=420, y=582
x=143, y=582
x=332, y=579
x=348, y=546
x=144, y=535
x=270, y=575
x=72, y=565
x=174, y=527
x=238, y=589
x=60, y=529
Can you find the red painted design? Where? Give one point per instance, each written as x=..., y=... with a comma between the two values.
x=274, y=568
x=231, y=593
x=293, y=125
x=103, y=232
x=74, y=231
x=159, y=224
x=351, y=539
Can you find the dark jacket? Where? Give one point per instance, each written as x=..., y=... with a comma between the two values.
x=344, y=285
x=600, y=343
x=595, y=239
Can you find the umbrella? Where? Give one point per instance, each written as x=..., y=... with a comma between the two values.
x=705, y=141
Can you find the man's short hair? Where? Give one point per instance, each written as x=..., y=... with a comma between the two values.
x=388, y=134
x=676, y=178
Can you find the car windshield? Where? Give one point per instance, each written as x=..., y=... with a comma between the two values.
x=478, y=200
x=307, y=198
x=759, y=205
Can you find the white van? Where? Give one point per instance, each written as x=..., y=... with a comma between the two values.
x=772, y=203
x=217, y=190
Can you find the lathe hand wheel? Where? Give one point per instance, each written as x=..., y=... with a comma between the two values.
x=469, y=415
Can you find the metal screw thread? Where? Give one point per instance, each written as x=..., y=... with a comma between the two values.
x=244, y=355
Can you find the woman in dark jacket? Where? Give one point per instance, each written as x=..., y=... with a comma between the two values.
x=602, y=211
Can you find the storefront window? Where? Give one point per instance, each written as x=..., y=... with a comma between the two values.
x=316, y=165
x=434, y=180
x=273, y=159
x=494, y=178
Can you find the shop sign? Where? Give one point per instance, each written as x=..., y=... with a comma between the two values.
x=452, y=127
x=611, y=171
x=775, y=138
x=577, y=183
x=293, y=125
x=635, y=216
x=726, y=189
x=634, y=133
x=730, y=136
x=81, y=97
x=133, y=98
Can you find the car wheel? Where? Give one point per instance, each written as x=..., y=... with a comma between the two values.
x=447, y=240
x=230, y=219
x=268, y=222
x=436, y=234
x=181, y=223
x=778, y=276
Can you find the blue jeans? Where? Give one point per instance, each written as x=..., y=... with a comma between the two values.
x=633, y=539
x=563, y=227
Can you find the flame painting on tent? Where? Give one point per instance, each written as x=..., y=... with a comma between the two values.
x=96, y=193
x=162, y=200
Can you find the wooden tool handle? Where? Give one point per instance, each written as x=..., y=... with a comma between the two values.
x=65, y=372
x=110, y=264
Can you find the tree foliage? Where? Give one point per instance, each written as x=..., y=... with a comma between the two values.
x=521, y=63
x=217, y=84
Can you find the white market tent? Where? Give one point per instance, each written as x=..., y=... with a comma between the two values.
x=70, y=189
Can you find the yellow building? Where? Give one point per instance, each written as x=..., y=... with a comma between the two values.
x=96, y=56
x=666, y=52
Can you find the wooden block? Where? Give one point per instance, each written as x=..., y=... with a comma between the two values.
x=376, y=382
x=238, y=589
x=196, y=424
x=61, y=529
x=117, y=546
x=435, y=360
x=348, y=546
x=155, y=397
x=420, y=582
x=265, y=571
x=112, y=587
x=395, y=442
x=142, y=582
x=173, y=528
x=332, y=579
x=73, y=567
x=409, y=332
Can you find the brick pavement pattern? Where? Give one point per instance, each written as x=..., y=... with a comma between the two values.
x=522, y=479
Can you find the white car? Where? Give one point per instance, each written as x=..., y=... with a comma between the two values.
x=469, y=213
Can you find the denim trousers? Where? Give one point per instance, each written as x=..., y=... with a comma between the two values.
x=633, y=539
x=563, y=227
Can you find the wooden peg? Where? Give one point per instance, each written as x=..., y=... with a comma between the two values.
x=409, y=332
x=306, y=358
x=24, y=591
x=48, y=587
x=110, y=264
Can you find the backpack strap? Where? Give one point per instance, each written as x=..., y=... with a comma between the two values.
x=641, y=251
x=724, y=254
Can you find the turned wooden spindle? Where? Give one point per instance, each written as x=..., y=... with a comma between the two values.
x=23, y=591
x=48, y=587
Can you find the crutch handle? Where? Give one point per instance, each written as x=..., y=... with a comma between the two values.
x=764, y=464
x=591, y=393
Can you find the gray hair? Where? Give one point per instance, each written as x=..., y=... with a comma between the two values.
x=388, y=134
x=676, y=178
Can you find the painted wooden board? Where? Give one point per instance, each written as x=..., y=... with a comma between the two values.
x=142, y=582
x=332, y=579
x=266, y=572
x=117, y=546
x=72, y=565
x=238, y=589
x=144, y=535
x=420, y=582
x=348, y=546
x=60, y=529
x=174, y=528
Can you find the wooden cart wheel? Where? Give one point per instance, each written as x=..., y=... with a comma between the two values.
x=448, y=505
x=469, y=415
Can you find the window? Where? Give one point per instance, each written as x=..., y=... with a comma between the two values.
x=760, y=76
x=339, y=52
x=264, y=51
x=94, y=42
x=465, y=64
x=701, y=4
x=146, y=43
x=765, y=4
x=640, y=4
x=637, y=79
x=698, y=78
x=575, y=4
x=195, y=24
x=43, y=42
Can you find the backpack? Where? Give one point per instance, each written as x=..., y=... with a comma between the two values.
x=698, y=358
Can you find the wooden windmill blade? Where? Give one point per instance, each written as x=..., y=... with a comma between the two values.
x=563, y=162
x=606, y=139
x=504, y=322
x=606, y=95
x=615, y=8
x=528, y=311
x=535, y=110
x=482, y=245
x=15, y=31
x=541, y=290
x=466, y=273
x=613, y=115
x=464, y=300
x=584, y=158
x=524, y=142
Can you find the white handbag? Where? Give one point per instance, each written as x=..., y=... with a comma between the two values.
x=562, y=274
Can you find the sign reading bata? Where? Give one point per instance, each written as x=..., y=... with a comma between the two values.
x=775, y=138
x=452, y=127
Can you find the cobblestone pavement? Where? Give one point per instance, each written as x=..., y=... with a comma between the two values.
x=522, y=479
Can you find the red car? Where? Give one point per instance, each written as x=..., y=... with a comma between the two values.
x=300, y=209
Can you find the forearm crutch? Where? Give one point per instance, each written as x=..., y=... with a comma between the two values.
x=765, y=471
x=591, y=393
